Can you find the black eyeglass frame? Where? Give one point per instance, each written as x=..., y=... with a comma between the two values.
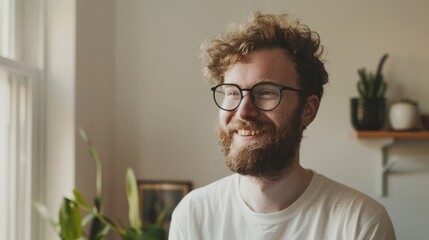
x=252, y=98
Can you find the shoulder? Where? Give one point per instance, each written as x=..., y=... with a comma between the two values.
x=207, y=197
x=211, y=190
x=354, y=209
x=344, y=195
x=199, y=207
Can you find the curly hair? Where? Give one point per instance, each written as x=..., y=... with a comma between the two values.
x=264, y=31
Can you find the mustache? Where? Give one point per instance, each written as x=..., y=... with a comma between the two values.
x=250, y=125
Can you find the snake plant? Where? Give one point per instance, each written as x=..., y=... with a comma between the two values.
x=370, y=85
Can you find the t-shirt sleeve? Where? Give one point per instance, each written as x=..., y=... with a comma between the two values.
x=179, y=221
x=379, y=227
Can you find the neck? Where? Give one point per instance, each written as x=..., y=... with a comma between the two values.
x=264, y=195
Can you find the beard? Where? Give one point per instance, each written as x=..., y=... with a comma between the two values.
x=269, y=158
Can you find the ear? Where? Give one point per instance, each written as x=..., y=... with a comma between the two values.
x=310, y=110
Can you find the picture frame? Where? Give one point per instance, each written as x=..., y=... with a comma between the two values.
x=157, y=195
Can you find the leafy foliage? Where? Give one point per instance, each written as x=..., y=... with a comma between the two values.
x=370, y=85
x=72, y=222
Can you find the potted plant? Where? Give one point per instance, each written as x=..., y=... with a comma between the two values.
x=368, y=111
x=76, y=213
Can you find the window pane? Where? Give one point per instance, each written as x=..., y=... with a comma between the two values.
x=4, y=123
x=16, y=117
x=15, y=156
x=6, y=17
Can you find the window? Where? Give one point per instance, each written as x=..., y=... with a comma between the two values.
x=18, y=83
x=16, y=153
x=7, y=28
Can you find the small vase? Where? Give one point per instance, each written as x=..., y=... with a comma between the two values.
x=404, y=116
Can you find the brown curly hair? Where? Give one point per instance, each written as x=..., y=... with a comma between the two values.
x=264, y=31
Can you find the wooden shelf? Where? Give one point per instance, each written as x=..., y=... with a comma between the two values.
x=393, y=134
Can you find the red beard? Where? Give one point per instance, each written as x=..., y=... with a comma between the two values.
x=269, y=158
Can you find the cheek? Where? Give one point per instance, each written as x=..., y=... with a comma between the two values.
x=284, y=113
x=280, y=122
x=279, y=118
x=225, y=117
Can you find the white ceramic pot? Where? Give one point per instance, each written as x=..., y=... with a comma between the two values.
x=404, y=116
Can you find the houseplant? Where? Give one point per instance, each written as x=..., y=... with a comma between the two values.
x=368, y=111
x=76, y=213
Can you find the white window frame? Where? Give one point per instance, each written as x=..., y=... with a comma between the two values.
x=22, y=151
x=21, y=58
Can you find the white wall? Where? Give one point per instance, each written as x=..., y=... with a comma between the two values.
x=59, y=81
x=164, y=112
x=78, y=62
x=95, y=94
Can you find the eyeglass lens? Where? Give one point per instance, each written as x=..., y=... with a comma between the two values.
x=264, y=96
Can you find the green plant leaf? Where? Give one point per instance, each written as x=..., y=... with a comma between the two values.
x=132, y=234
x=379, y=85
x=81, y=200
x=83, y=135
x=380, y=65
x=133, y=200
x=103, y=232
x=378, y=79
x=161, y=217
x=98, y=169
x=363, y=84
x=155, y=232
x=87, y=219
x=382, y=89
x=70, y=220
x=96, y=157
x=361, y=89
x=115, y=225
x=362, y=75
x=43, y=211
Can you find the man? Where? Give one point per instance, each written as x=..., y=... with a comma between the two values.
x=269, y=80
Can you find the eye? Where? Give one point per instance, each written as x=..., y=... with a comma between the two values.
x=231, y=92
x=267, y=93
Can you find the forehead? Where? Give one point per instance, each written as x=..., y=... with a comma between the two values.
x=273, y=65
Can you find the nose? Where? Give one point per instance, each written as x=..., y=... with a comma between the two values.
x=247, y=109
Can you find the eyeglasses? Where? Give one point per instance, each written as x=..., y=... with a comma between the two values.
x=264, y=96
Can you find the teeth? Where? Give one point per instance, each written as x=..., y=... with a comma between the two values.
x=248, y=132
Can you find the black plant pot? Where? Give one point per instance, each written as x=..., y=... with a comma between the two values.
x=368, y=113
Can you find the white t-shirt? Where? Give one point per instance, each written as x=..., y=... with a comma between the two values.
x=326, y=210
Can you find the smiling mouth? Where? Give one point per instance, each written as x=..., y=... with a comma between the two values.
x=242, y=132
